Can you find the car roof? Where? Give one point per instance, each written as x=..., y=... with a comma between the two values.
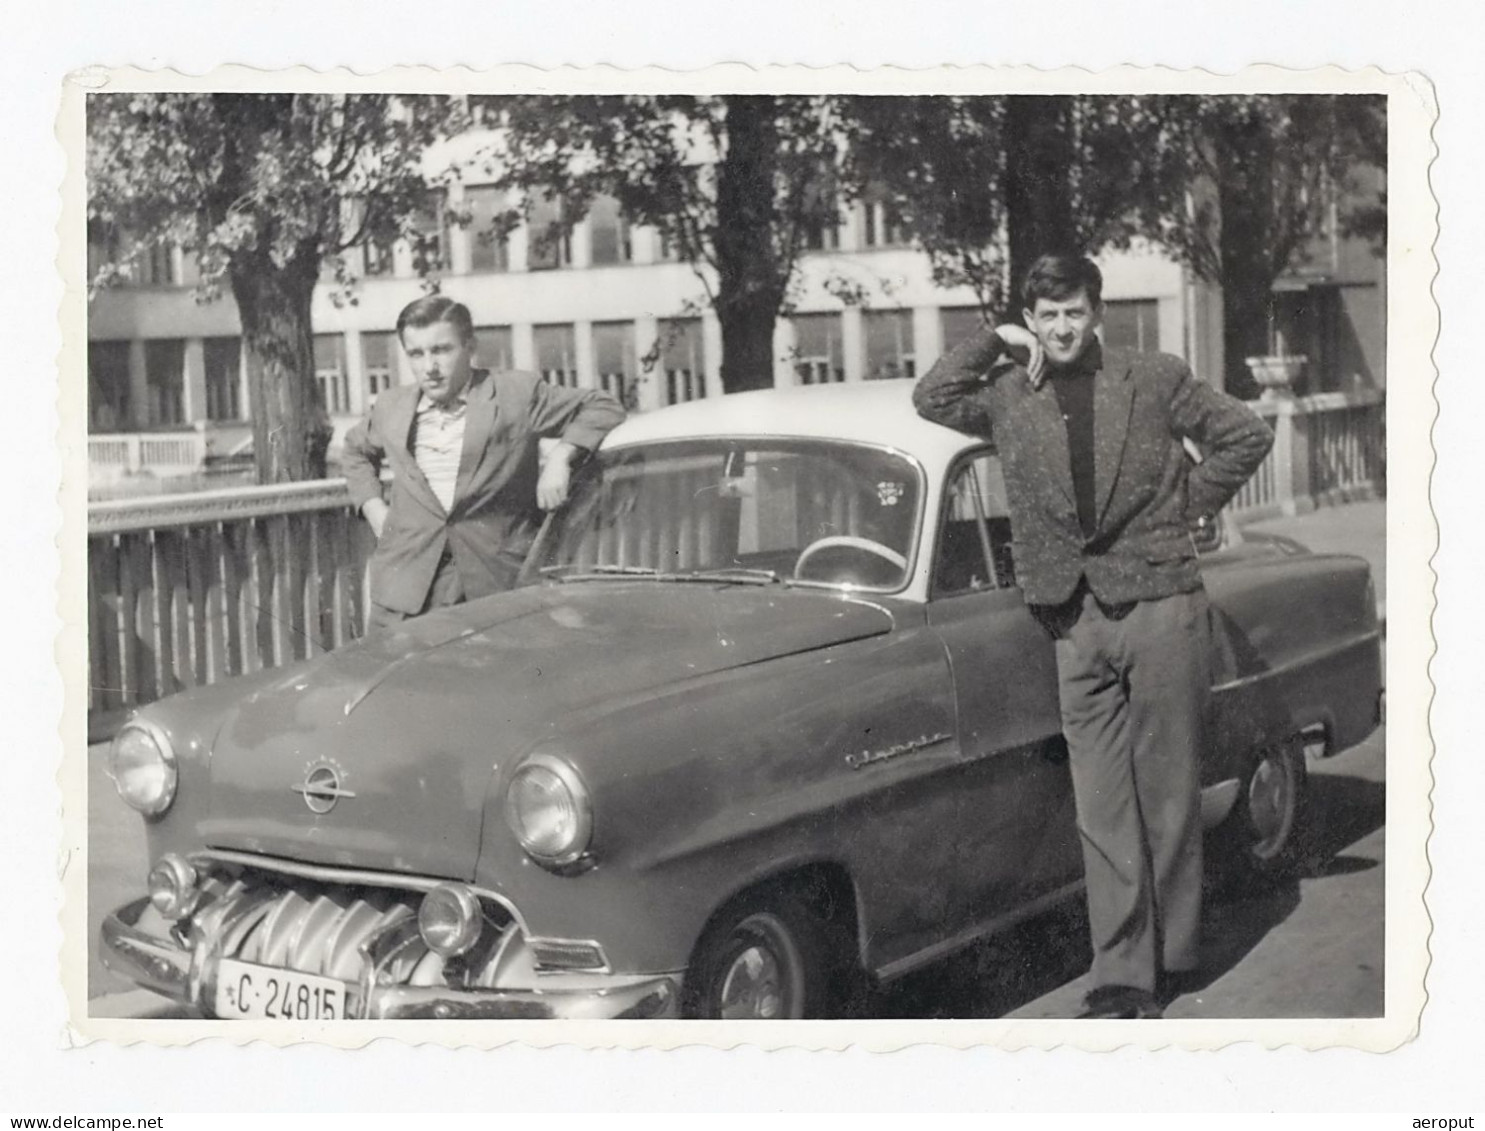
x=871, y=412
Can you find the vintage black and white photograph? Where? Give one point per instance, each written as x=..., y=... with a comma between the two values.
x=792, y=551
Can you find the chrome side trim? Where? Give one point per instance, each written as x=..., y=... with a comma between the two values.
x=1375, y=636
x=964, y=938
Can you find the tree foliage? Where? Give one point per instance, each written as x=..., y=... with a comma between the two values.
x=734, y=184
x=268, y=191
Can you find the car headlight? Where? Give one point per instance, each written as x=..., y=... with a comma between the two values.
x=549, y=810
x=143, y=768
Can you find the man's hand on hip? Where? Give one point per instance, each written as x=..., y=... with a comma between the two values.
x=375, y=513
x=556, y=477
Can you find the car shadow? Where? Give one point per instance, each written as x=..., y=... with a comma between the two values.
x=1047, y=953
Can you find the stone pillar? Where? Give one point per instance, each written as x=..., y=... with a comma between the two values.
x=645, y=242
x=650, y=393
x=523, y=344
x=928, y=337
x=244, y=389
x=785, y=341
x=355, y=374
x=193, y=381
x=711, y=352
x=582, y=244
x=587, y=363
x=518, y=246
x=459, y=238
x=853, y=343
x=139, y=388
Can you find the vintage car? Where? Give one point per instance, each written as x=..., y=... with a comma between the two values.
x=770, y=721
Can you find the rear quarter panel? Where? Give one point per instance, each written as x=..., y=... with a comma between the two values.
x=1296, y=644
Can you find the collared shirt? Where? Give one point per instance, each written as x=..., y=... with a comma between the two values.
x=437, y=444
x=1074, y=388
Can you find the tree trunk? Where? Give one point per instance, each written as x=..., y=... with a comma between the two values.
x=291, y=429
x=1038, y=155
x=1245, y=202
x=750, y=278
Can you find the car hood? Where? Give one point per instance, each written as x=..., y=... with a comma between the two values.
x=408, y=725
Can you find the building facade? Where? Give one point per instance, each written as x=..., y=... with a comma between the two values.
x=607, y=306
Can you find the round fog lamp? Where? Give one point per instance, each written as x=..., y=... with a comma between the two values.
x=173, y=886
x=450, y=919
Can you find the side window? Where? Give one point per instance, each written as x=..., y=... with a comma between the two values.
x=974, y=542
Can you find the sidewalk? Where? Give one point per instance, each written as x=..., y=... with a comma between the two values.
x=1350, y=528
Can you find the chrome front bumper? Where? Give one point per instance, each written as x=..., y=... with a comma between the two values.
x=182, y=974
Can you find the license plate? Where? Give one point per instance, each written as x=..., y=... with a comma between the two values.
x=248, y=991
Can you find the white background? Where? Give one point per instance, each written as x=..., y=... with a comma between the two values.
x=1439, y=1073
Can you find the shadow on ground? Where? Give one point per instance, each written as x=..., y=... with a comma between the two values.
x=1005, y=973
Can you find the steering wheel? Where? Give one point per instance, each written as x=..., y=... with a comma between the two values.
x=848, y=542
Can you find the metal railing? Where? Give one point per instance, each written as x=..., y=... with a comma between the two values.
x=190, y=589
x=1328, y=448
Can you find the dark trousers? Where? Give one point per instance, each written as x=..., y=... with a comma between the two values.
x=1134, y=682
x=447, y=589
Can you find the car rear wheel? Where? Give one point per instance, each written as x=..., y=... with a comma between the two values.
x=1266, y=837
x=770, y=958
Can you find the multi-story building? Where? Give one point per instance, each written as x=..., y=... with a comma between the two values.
x=608, y=306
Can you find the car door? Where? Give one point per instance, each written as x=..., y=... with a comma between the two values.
x=1016, y=836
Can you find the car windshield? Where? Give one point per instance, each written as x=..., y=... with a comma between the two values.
x=739, y=511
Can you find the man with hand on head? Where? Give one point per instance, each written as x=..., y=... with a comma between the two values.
x=1102, y=499
x=469, y=486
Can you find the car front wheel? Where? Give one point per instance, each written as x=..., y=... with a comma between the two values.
x=768, y=959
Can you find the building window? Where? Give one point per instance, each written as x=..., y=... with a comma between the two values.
x=154, y=265
x=330, y=372
x=608, y=233
x=959, y=322
x=556, y=354
x=881, y=222
x=889, y=344
x=614, y=353
x=223, y=359
x=682, y=359
x=1131, y=324
x=819, y=356
x=165, y=380
x=429, y=233
x=493, y=348
x=377, y=258
x=108, y=386
x=489, y=250
x=378, y=361
x=550, y=244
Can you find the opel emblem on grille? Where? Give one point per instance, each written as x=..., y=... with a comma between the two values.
x=321, y=787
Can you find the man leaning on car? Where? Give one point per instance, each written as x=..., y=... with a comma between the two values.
x=1102, y=499
x=469, y=486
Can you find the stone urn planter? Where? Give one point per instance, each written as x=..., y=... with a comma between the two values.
x=1275, y=374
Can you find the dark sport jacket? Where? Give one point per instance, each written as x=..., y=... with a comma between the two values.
x=1148, y=491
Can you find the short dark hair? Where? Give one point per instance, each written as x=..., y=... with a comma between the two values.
x=1058, y=277
x=432, y=309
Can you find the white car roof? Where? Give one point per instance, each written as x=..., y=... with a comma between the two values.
x=872, y=412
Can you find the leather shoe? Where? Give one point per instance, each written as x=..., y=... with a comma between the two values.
x=1120, y=1003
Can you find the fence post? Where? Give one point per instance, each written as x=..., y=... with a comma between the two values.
x=1283, y=457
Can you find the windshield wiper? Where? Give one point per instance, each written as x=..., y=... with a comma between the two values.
x=570, y=571
x=743, y=575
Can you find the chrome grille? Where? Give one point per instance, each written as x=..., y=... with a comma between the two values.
x=319, y=928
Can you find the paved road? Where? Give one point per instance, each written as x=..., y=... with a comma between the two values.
x=1311, y=949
